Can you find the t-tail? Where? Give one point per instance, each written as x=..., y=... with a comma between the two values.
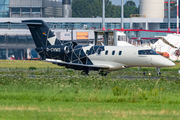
x=47, y=45
x=41, y=33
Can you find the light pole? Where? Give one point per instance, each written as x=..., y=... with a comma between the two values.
x=169, y=11
x=177, y=16
x=122, y=15
x=103, y=16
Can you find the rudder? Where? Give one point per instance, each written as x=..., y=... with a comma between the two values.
x=41, y=33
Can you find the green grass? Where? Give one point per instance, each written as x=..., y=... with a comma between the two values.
x=25, y=64
x=87, y=110
x=58, y=93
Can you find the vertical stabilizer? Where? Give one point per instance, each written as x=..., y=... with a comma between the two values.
x=41, y=34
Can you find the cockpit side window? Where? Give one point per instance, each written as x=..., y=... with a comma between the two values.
x=151, y=52
x=142, y=52
x=147, y=52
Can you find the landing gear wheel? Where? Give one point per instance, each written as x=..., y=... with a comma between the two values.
x=158, y=69
x=159, y=73
x=102, y=73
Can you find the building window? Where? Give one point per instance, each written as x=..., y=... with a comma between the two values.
x=108, y=25
x=66, y=25
x=3, y=25
x=113, y=52
x=95, y=25
x=2, y=53
x=75, y=25
x=118, y=25
x=4, y=8
x=4, y=1
x=14, y=26
x=25, y=10
x=126, y=25
x=163, y=25
x=36, y=11
x=173, y=25
x=2, y=39
x=15, y=10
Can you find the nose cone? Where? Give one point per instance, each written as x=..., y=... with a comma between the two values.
x=166, y=63
x=169, y=63
x=160, y=61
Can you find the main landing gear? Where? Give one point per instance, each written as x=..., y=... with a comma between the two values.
x=85, y=72
x=158, y=69
x=103, y=73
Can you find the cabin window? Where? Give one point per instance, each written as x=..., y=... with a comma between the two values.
x=147, y=52
x=120, y=52
x=113, y=52
x=106, y=52
x=87, y=51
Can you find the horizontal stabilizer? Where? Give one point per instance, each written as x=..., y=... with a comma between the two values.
x=25, y=23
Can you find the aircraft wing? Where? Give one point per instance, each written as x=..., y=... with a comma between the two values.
x=77, y=66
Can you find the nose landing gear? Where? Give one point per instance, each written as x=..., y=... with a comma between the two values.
x=158, y=69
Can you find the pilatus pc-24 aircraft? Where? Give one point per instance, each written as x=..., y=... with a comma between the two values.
x=86, y=58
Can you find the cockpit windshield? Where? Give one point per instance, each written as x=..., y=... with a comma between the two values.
x=147, y=52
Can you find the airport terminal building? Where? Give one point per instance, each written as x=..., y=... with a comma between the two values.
x=15, y=39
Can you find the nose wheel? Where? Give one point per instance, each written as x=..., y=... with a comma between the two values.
x=158, y=71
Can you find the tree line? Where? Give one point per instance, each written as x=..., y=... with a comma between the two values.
x=93, y=8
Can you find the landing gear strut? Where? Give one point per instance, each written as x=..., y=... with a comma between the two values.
x=103, y=73
x=158, y=69
x=85, y=72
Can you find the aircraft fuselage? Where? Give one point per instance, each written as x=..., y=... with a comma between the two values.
x=114, y=57
x=122, y=57
x=86, y=58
